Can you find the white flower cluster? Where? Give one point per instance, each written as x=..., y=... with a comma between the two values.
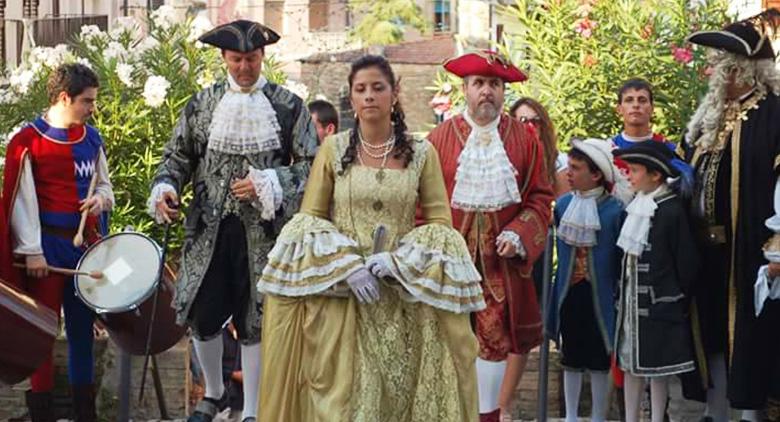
x=88, y=32
x=48, y=56
x=155, y=90
x=205, y=80
x=125, y=73
x=125, y=25
x=199, y=26
x=146, y=44
x=115, y=50
x=84, y=61
x=165, y=17
x=21, y=79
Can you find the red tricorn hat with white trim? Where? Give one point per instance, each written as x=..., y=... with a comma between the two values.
x=484, y=63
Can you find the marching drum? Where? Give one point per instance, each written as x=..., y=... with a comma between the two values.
x=123, y=298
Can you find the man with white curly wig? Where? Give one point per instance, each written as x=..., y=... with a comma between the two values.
x=733, y=141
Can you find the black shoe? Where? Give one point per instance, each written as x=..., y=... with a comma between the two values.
x=706, y=419
x=84, y=403
x=207, y=409
x=40, y=406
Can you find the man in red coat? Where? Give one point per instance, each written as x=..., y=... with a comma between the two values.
x=500, y=197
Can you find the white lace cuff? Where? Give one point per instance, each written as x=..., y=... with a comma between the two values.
x=156, y=196
x=514, y=239
x=268, y=191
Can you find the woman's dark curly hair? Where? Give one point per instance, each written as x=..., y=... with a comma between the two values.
x=403, y=143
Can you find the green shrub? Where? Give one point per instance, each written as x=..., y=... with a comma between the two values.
x=578, y=52
x=145, y=80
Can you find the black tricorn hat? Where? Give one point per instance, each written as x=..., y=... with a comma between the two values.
x=750, y=38
x=652, y=154
x=241, y=35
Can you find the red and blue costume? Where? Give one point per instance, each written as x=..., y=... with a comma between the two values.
x=62, y=162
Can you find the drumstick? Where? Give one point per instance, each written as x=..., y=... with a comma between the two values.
x=67, y=271
x=78, y=239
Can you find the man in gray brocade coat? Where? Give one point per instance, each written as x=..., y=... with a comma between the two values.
x=245, y=145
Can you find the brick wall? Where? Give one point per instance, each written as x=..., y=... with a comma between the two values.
x=330, y=79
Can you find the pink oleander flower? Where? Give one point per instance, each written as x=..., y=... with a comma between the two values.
x=589, y=60
x=441, y=104
x=682, y=55
x=584, y=27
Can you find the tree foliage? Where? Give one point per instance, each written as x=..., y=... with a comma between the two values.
x=383, y=22
x=577, y=53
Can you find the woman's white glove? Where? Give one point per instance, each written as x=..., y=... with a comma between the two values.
x=364, y=286
x=380, y=264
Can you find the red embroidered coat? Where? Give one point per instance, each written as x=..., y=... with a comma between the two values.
x=507, y=280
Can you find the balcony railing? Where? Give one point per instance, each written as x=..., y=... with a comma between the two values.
x=47, y=31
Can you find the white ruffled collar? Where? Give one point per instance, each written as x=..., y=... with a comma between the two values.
x=258, y=85
x=244, y=121
x=636, y=228
x=485, y=179
x=580, y=221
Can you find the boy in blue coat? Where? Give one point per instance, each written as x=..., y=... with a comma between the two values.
x=588, y=221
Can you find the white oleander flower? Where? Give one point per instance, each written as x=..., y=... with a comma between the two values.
x=125, y=73
x=7, y=96
x=205, y=80
x=124, y=24
x=164, y=17
x=88, y=32
x=146, y=44
x=155, y=90
x=199, y=26
x=114, y=50
x=48, y=56
x=84, y=61
x=21, y=79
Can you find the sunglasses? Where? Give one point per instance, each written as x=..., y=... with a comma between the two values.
x=532, y=120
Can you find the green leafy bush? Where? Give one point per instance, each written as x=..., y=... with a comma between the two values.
x=578, y=52
x=146, y=78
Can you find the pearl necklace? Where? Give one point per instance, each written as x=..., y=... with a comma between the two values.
x=367, y=145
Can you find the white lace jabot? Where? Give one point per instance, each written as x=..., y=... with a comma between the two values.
x=244, y=122
x=580, y=221
x=485, y=179
x=636, y=228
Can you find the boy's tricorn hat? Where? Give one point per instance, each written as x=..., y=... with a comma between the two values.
x=653, y=155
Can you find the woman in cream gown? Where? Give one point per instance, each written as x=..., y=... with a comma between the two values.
x=332, y=351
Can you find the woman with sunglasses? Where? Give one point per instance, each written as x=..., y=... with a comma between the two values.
x=529, y=111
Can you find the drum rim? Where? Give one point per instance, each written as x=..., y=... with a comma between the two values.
x=121, y=309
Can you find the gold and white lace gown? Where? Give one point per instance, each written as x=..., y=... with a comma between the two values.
x=409, y=357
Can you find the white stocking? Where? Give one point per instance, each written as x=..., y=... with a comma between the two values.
x=572, y=385
x=659, y=395
x=210, y=357
x=632, y=395
x=599, y=385
x=250, y=371
x=489, y=377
